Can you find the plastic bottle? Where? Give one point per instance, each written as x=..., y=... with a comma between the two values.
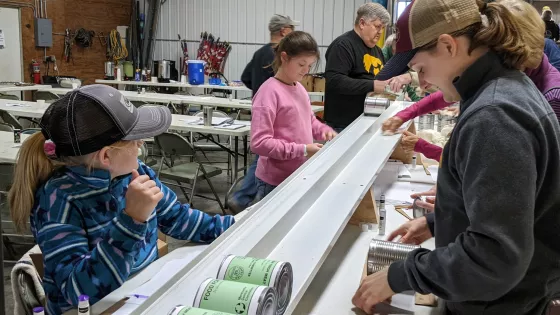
x=83, y=305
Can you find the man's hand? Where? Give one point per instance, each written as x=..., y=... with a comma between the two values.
x=373, y=290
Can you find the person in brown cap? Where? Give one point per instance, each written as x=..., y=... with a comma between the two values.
x=496, y=217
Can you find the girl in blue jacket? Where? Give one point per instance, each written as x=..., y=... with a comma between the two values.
x=95, y=209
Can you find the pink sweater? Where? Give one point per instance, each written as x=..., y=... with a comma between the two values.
x=282, y=124
x=424, y=106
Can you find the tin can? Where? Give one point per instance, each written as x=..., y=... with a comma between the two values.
x=236, y=297
x=17, y=135
x=426, y=122
x=208, y=113
x=276, y=274
x=375, y=106
x=417, y=211
x=382, y=253
x=189, y=310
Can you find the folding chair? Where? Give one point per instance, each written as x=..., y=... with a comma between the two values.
x=173, y=146
x=209, y=145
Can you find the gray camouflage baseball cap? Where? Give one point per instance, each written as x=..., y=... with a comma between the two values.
x=94, y=116
x=277, y=22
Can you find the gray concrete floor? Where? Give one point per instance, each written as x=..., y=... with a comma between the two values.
x=221, y=184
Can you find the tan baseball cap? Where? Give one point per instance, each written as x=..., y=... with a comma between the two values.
x=421, y=23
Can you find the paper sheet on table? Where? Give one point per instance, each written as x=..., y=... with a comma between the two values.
x=404, y=172
x=168, y=271
x=404, y=301
x=16, y=105
x=433, y=171
x=232, y=126
x=216, y=121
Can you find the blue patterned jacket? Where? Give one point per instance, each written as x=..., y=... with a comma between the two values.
x=90, y=246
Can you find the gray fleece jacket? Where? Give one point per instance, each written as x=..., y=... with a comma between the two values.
x=497, y=216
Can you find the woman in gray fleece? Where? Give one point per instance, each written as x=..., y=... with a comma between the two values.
x=497, y=218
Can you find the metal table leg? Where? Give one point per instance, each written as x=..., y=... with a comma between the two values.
x=235, y=167
x=245, y=155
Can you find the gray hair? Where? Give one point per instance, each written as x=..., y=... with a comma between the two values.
x=389, y=41
x=371, y=12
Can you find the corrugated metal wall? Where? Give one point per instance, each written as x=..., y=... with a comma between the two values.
x=245, y=22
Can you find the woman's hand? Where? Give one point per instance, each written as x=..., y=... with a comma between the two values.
x=373, y=290
x=430, y=202
x=392, y=124
x=408, y=141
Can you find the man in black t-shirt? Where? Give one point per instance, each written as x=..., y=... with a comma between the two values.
x=353, y=61
x=255, y=74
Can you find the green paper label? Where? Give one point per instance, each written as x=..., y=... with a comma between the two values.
x=250, y=270
x=227, y=296
x=189, y=310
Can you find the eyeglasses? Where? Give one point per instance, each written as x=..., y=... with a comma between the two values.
x=379, y=26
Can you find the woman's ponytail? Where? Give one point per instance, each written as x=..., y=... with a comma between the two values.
x=510, y=30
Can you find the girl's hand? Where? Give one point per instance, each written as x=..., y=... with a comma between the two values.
x=142, y=197
x=329, y=135
x=313, y=148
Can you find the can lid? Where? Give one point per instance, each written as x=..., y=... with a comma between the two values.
x=38, y=309
x=83, y=298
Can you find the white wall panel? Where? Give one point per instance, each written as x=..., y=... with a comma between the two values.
x=245, y=23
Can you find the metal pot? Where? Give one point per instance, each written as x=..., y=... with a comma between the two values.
x=164, y=69
x=109, y=69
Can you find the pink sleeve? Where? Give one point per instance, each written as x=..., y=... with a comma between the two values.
x=431, y=151
x=318, y=128
x=262, y=130
x=424, y=106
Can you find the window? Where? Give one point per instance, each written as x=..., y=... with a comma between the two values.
x=400, y=5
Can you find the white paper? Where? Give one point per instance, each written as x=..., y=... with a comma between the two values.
x=167, y=271
x=404, y=301
x=216, y=121
x=404, y=172
x=232, y=126
x=16, y=105
x=433, y=171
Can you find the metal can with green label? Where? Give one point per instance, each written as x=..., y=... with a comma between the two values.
x=271, y=273
x=236, y=297
x=189, y=310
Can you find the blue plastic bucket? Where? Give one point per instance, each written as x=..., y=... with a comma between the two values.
x=196, y=72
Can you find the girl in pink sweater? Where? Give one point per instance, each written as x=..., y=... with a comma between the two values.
x=283, y=125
